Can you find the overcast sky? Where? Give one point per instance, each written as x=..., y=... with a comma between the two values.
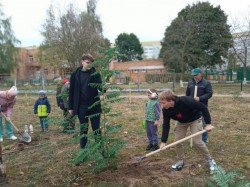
x=147, y=19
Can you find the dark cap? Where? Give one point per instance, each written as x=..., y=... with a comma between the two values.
x=196, y=71
x=87, y=56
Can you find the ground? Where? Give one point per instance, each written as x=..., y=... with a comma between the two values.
x=46, y=160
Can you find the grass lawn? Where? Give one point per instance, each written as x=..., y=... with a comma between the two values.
x=46, y=160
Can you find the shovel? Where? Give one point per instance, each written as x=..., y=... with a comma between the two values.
x=2, y=166
x=139, y=158
x=25, y=136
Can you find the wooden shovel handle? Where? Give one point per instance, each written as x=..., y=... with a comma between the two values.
x=177, y=142
x=195, y=91
x=10, y=122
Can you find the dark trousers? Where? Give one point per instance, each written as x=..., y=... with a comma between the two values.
x=83, y=112
x=152, y=132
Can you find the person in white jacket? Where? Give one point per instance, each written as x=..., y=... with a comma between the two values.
x=7, y=102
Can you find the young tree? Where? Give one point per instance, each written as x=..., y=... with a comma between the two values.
x=8, y=51
x=198, y=37
x=71, y=35
x=129, y=46
x=103, y=149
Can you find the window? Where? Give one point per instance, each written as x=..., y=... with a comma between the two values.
x=46, y=71
x=30, y=58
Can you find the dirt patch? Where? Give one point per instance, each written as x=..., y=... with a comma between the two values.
x=153, y=171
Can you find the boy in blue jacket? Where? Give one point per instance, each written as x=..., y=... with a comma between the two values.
x=42, y=109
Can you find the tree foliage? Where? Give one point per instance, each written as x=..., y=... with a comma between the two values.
x=8, y=51
x=199, y=36
x=129, y=47
x=66, y=38
x=222, y=178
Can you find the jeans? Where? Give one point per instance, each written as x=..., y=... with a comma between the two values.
x=44, y=122
x=83, y=113
x=8, y=128
x=205, y=134
x=204, y=137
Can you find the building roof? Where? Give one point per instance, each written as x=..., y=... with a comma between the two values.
x=147, y=43
x=145, y=67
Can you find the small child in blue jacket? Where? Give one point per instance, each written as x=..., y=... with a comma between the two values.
x=42, y=109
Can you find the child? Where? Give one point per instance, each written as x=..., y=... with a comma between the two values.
x=42, y=109
x=68, y=122
x=152, y=115
x=7, y=102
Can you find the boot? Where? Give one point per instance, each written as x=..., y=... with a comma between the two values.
x=212, y=165
x=149, y=147
x=154, y=147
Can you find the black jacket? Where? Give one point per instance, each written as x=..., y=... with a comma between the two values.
x=74, y=91
x=186, y=109
x=204, y=90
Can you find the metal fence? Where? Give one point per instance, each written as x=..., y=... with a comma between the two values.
x=220, y=76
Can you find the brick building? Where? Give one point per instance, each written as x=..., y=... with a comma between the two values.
x=136, y=70
x=29, y=70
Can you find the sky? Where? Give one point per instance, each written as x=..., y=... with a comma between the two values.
x=147, y=19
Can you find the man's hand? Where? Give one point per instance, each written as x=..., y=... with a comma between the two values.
x=209, y=128
x=162, y=145
x=197, y=98
x=71, y=112
x=7, y=118
x=156, y=122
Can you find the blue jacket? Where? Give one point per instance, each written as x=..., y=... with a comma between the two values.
x=42, y=101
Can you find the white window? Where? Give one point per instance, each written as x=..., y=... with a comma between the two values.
x=30, y=58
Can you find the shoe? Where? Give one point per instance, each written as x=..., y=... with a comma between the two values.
x=154, y=147
x=149, y=147
x=1, y=139
x=178, y=166
x=212, y=165
x=12, y=137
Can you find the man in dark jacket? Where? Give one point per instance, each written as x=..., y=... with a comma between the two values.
x=83, y=94
x=203, y=93
x=187, y=112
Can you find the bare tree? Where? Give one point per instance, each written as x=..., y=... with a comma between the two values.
x=241, y=34
x=70, y=35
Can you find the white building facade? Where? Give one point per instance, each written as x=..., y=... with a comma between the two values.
x=151, y=49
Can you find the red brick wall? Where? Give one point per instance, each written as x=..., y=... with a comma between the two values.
x=126, y=65
x=134, y=75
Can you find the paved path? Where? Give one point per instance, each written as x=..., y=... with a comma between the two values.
x=214, y=95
